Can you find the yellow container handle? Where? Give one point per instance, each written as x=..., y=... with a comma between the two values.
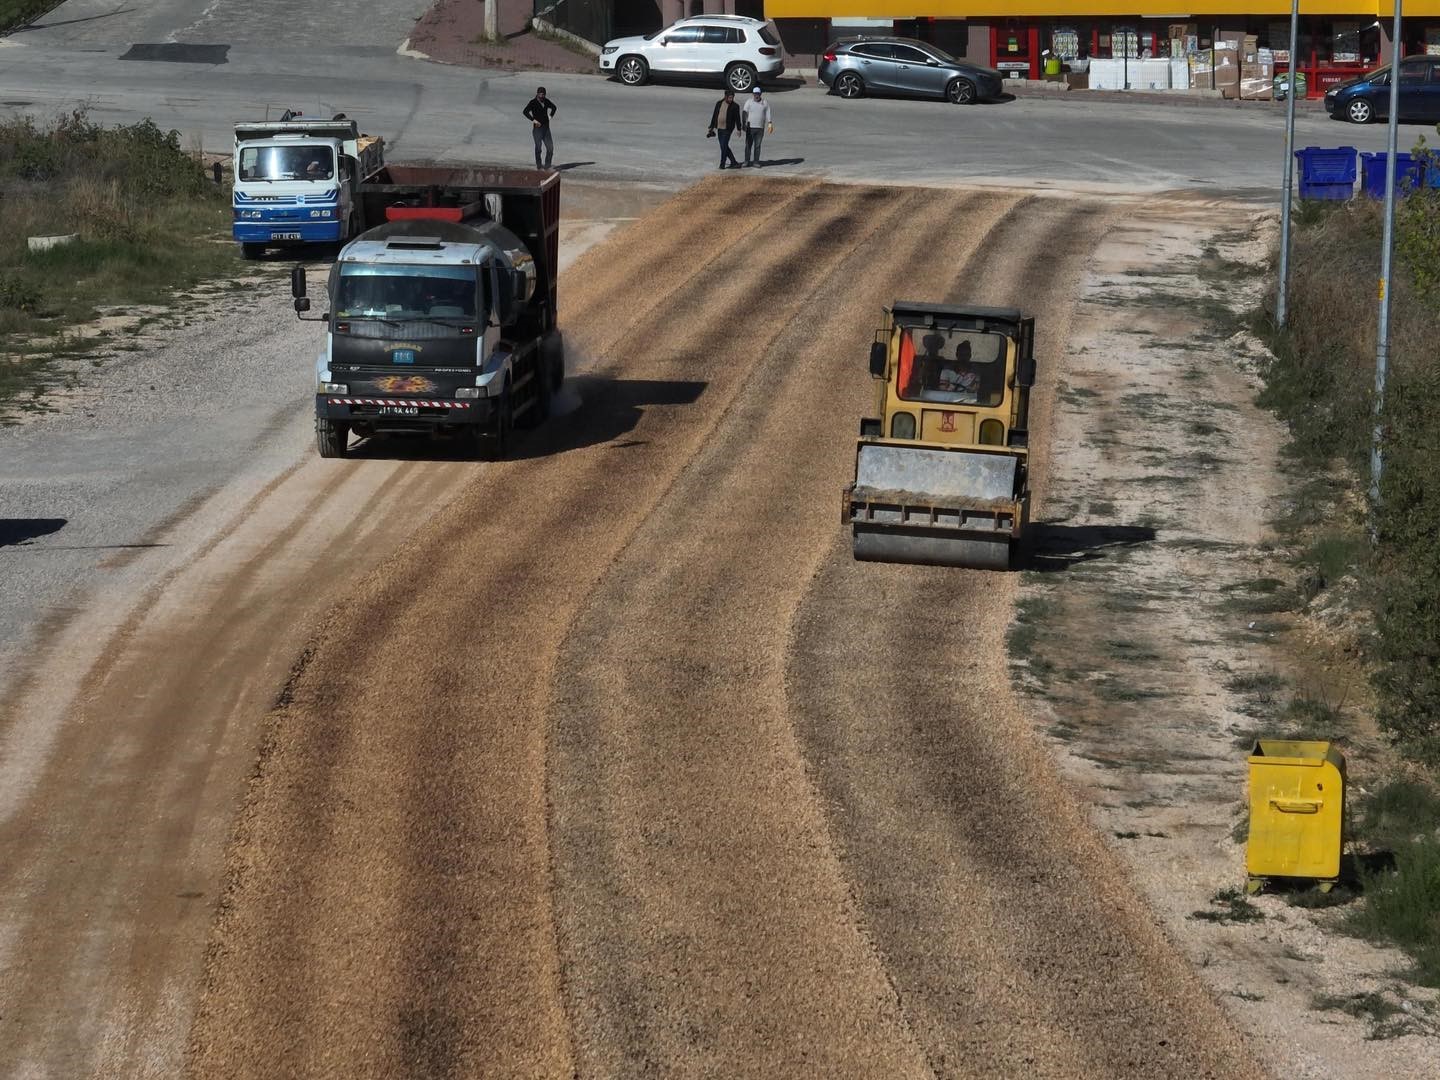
x=1296, y=806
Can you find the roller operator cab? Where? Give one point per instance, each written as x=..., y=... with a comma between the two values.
x=442, y=319
x=941, y=472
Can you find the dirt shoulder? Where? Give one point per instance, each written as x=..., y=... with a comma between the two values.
x=1154, y=645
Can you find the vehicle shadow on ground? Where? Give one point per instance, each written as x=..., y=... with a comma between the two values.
x=1052, y=547
x=702, y=82
x=14, y=531
x=590, y=410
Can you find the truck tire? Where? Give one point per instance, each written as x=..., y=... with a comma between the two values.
x=495, y=443
x=332, y=439
x=555, y=359
x=549, y=374
x=252, y=251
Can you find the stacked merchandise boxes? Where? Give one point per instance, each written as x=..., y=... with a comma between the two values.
x=1257, y=71
x=1222, y=74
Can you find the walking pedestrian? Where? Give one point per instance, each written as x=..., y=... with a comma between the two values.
x=538, y=112
x=723, y=121
x=758, y=120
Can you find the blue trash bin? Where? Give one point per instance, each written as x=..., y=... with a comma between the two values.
x=1327, y=172
x=1408, y=174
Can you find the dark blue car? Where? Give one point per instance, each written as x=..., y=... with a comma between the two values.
x=1368, y=97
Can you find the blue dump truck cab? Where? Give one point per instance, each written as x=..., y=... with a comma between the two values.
x=295, y=182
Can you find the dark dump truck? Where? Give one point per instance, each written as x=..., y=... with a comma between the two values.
x=440, y=316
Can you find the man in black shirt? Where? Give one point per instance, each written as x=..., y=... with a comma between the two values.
x=538, y=112
x=723, y=122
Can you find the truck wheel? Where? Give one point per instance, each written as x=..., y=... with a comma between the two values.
x=331, y=438
x=252, y=251
x=495, y=442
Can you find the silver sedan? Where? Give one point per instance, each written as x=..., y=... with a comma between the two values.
x=853, y=67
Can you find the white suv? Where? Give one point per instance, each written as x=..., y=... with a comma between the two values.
x=741, y=50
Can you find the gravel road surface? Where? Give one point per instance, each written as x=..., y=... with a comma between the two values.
x=167, y=541
x=621, y=767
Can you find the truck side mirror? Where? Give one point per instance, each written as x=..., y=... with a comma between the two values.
x=302, y=304
x=879, y=358
x=297, y=282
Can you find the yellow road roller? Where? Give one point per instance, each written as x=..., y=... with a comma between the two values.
x=941, y=474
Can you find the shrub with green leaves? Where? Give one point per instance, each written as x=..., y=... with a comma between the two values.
x=1322, y=384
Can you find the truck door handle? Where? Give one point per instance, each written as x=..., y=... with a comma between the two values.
x=1296, y=806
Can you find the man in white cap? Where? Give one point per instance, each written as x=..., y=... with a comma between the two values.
x=757, y=120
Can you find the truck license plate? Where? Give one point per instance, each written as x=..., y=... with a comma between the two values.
x=284, y=236
x=399, y=410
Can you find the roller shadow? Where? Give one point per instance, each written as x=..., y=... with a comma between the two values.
x=1052, y=547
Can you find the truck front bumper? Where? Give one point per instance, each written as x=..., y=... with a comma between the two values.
x=404, y=414
x=287, y=232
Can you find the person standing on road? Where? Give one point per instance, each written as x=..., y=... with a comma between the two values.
x=758, y=120
x=539, y=112
x=723, y=121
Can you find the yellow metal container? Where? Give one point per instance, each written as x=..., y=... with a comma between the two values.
x=1297, y=810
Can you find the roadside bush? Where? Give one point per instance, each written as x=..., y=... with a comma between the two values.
x=1403, y=906
x=1322, y=384
x=143, y=160
x=17, y=13
x=144, y=213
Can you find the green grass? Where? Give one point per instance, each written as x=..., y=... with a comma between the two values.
x=1229, y=906
x=148, y=222
x=16, y=13
x=1387, y=1019
x=1402, y=904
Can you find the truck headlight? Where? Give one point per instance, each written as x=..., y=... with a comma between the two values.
x=468, y=392
x=334, y=388
x=608, y=49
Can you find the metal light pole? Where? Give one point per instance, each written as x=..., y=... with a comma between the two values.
x=1282, y=293
x=1387, y=246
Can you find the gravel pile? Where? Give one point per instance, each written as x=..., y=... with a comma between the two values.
x=621, y=767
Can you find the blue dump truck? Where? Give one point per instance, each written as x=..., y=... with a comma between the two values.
x=441, y=318
x=296, y=181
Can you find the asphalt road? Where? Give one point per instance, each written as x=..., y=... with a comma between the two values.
x=271, y=60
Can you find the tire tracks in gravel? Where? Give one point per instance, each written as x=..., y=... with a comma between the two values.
x=705, y=921
x=1008, y=928
x=388, y=900
x=103, y=894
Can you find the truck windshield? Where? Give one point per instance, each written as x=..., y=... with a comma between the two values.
x=952, y=367
x=287, y=163
x=404, y=293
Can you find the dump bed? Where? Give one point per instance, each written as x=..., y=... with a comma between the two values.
x=529, y=206
x=315, y=129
